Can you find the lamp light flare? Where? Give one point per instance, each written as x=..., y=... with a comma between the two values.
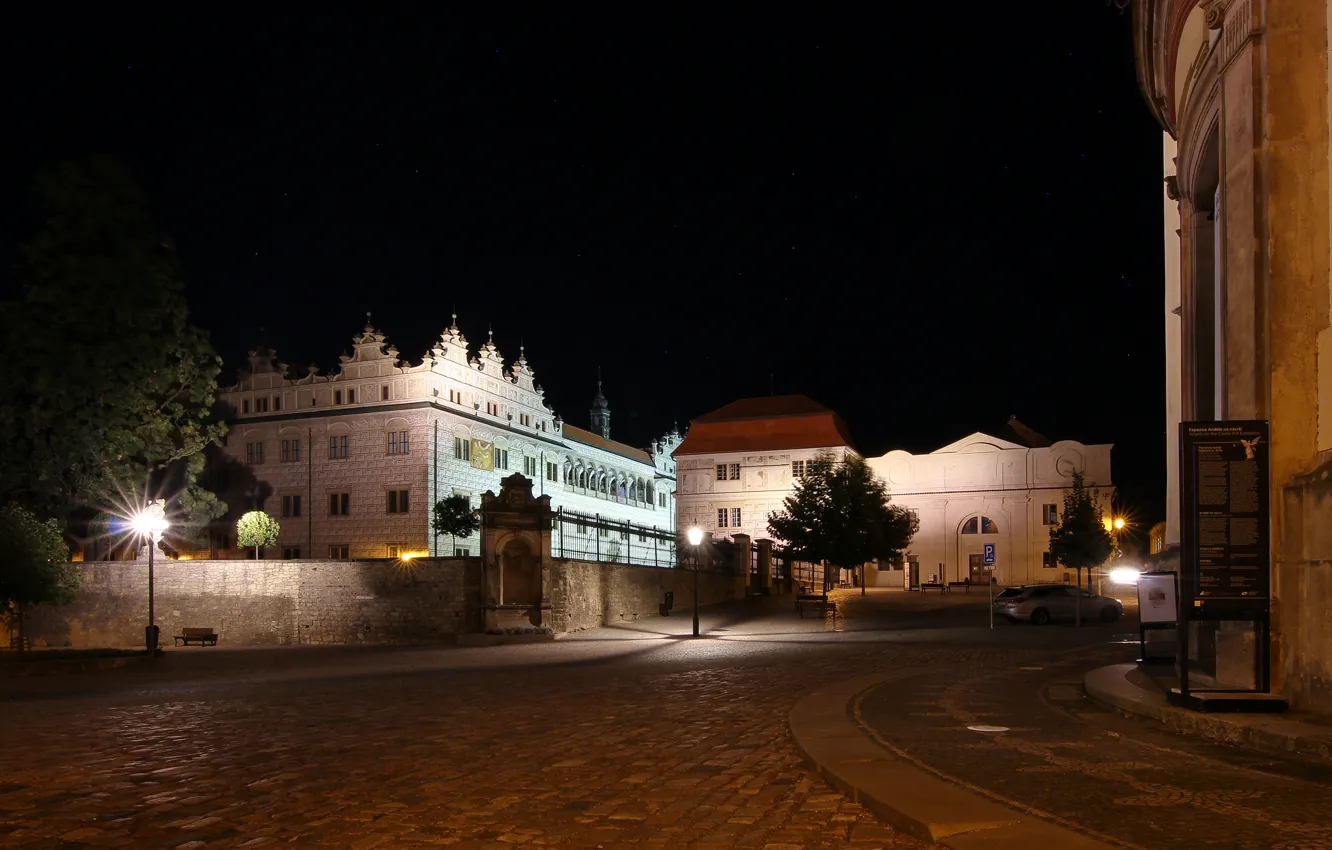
x=695, y=536
x=1124, y=575
x=151, y=522
x=1119, y=523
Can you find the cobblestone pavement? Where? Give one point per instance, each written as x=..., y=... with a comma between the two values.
x=1066, y=758
x=625, y=737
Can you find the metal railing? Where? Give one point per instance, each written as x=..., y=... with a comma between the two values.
x=592, y=537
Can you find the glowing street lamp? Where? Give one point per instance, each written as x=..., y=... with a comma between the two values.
x=150, y=523
x=695, y=536
x=1119, y=523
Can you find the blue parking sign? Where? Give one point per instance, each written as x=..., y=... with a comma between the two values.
x=989, y=554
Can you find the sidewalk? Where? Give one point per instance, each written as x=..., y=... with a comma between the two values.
x=1127, y=688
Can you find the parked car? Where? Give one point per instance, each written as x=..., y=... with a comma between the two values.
x=1039, y=604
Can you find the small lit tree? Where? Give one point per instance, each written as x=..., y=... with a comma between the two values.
x=256, y=529
x=1081, y=540
x=455, y=516
x=33, y=563
x=840, y=512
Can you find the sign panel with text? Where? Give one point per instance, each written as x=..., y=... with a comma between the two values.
x=1156, y=599
x=1225, y=511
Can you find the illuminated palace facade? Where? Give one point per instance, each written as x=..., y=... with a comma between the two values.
x=351, y=463
x=1241, y=90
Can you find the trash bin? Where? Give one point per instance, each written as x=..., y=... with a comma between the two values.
x=670, y=600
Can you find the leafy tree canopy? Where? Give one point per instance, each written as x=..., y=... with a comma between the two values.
x=1081, y=540
x=840, y=512
x=33, y=555
x=256, y=529
x=455, y=516
x=107, y=389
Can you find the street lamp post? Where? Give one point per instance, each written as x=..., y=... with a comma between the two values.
x=150, y=523
x=1116, y=526
x=695, y=537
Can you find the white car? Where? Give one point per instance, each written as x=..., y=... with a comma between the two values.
x=1039, y=604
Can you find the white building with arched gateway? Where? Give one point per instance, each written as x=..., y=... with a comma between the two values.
x=984, y=489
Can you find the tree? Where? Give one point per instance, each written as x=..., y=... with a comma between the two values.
x=1081, y=540
x=256, y=529
x=840, y=512
x=455, y=516
x=33, y=562
x=108, y=389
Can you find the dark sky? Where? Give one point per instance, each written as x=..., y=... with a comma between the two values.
x=927, y=218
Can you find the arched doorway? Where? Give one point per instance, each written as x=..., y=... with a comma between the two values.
x=972, y=536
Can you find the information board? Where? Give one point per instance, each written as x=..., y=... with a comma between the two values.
x=1157, y=604
x=1225, y=513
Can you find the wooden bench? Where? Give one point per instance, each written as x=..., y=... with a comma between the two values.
x=965, y=585
x=815, y=600
x=933, y=585
x=203, y=637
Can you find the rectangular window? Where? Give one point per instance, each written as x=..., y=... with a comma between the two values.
x=291, y=506
x=721, y=472
x=492, y=408
x=338, y=551
x=351, y=396
x=735, y=472
x=530, y=467
x=254, y=453
x=455, y=396
x=1051, y=514
x=735, y=518
x=277, y=405
x=339, y=504
x=501, y=458
x=582, y=527
x=1048, y=561
x=397, y=442
x=661, y=497
x=291, y=451
x=642, y=537
x=337, y=447
x=797, y=469
x=462, y=448
x=601, y=532
x=461, y=553
x=337, y=396
x=383, y=392
x=397, y=501
x=525, y=419
x=722, y=516
x=261, y=405
x=543, y=424
x=394, y=551
x=245, y=405
x=552, y=471
x=291, y=553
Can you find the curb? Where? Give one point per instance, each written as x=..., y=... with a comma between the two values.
x=913, y=801
x=1265, y=733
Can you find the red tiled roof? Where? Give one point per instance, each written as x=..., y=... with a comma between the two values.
x=763, y=424
x=596, y=441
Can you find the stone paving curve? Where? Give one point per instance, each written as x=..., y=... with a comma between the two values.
x=578, y=744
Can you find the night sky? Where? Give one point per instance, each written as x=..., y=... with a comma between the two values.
x=927, y=219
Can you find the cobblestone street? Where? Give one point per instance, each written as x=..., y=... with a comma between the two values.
x=626, y=737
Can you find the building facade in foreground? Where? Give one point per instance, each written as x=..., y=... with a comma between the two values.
x=352, y=462
x=1241, y=91
x=1005, y=489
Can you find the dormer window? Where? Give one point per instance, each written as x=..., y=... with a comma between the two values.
x=245, y=405
x=277, y=402
x=337, y=396
x=351, y=396
x=261, y=405
x=384, y=392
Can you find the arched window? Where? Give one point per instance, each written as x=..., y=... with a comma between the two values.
x=649, y=494
x=582, y=479
x=982, y=525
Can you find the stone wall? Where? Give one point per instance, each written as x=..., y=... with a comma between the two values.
x=586, y=594
x=254, y=603
x=264, y=603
